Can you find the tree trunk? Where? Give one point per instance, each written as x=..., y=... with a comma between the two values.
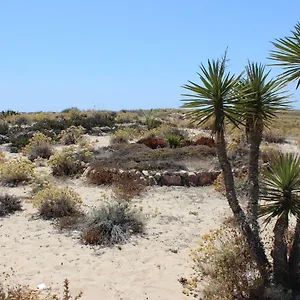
x=255, y=138
x=280, y=262
x=294, y=259
x=254, y=242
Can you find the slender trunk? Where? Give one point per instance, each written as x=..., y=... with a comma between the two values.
x=294, y=259
x=254, y=242
x=255, y=138
x=280, y=262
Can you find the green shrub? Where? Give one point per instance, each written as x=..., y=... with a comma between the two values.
x=112, y=223
x=39, y=146
x=69, y=161
x=19, y=141
x=4, y=128
x=175, y=141
x=16, y=171
x=53, y=202
x=71, y=135
x=9, y=204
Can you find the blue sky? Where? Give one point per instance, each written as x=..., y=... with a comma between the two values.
x=126, y=54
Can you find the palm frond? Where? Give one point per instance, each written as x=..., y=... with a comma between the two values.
x=264, y=97
x=281, y=188
x=287, y=56
x=212, y=97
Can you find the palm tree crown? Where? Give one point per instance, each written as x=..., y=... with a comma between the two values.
x=287, y=55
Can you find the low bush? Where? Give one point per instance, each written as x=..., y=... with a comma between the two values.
x=174, y=140
x=205, y=141
x=69, y=161
x=99, y=174
x=19, y=141
x=4, y=128
x=272, y=136
x=112, y=223
x=39, y=146
x=9, y=204
x=224, y=262
x=119, y=139
x=71, y=135
x=16, y=171
x=153, y=142
x=53, y=202
x=269, y=153
x=127, y=185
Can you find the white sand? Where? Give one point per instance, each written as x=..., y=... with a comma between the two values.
x=145, y=268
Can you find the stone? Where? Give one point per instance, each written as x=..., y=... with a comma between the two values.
x=205, y=178
x=193, y=179
x=152, y=180
x=171, y=180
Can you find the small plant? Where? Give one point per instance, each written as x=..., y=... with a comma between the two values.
x=112, y=223
x=119, y=139
x=16, y=171
x=175, y=141
x=272, y=136
x=153, y=142
x=39, y=146
x=99, y=174
x=150, y=120
x=54, y=202
x=269, y=153
x=127, y=185
x=206, y=141
x=9, y=204
x=224, y=259
x=71, y=135
x=69, y=161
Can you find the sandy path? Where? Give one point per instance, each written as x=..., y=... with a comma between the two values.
x=145, y=268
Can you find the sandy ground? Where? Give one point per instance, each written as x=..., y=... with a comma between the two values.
x=147, y=267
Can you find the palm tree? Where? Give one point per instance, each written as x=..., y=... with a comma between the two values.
x=287, y=55
x=264, y=97
x=215, y=99
x=281, y=198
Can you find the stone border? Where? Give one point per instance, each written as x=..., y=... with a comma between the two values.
x=166, y=178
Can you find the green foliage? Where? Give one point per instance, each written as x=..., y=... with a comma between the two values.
x=112, y=223
x=262, y=97
x=53, y=202
x=9, y=204
x=175, y=141
x=71, y=135
x=16, y=171
x=69, y=161
x=281, y=187
x=39, y=146
x=213, y=99
x=287, y=55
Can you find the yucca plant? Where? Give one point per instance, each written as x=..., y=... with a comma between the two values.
x=264, y=97
x=217, y=98
x=280, y=197
x=287, y=55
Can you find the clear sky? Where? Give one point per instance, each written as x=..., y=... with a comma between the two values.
x=127, y=54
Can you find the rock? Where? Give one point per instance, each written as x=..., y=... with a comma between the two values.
x=152, y=180
x=205, y=178
x=193, y=179
x=171, y=180
x=145, y=173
